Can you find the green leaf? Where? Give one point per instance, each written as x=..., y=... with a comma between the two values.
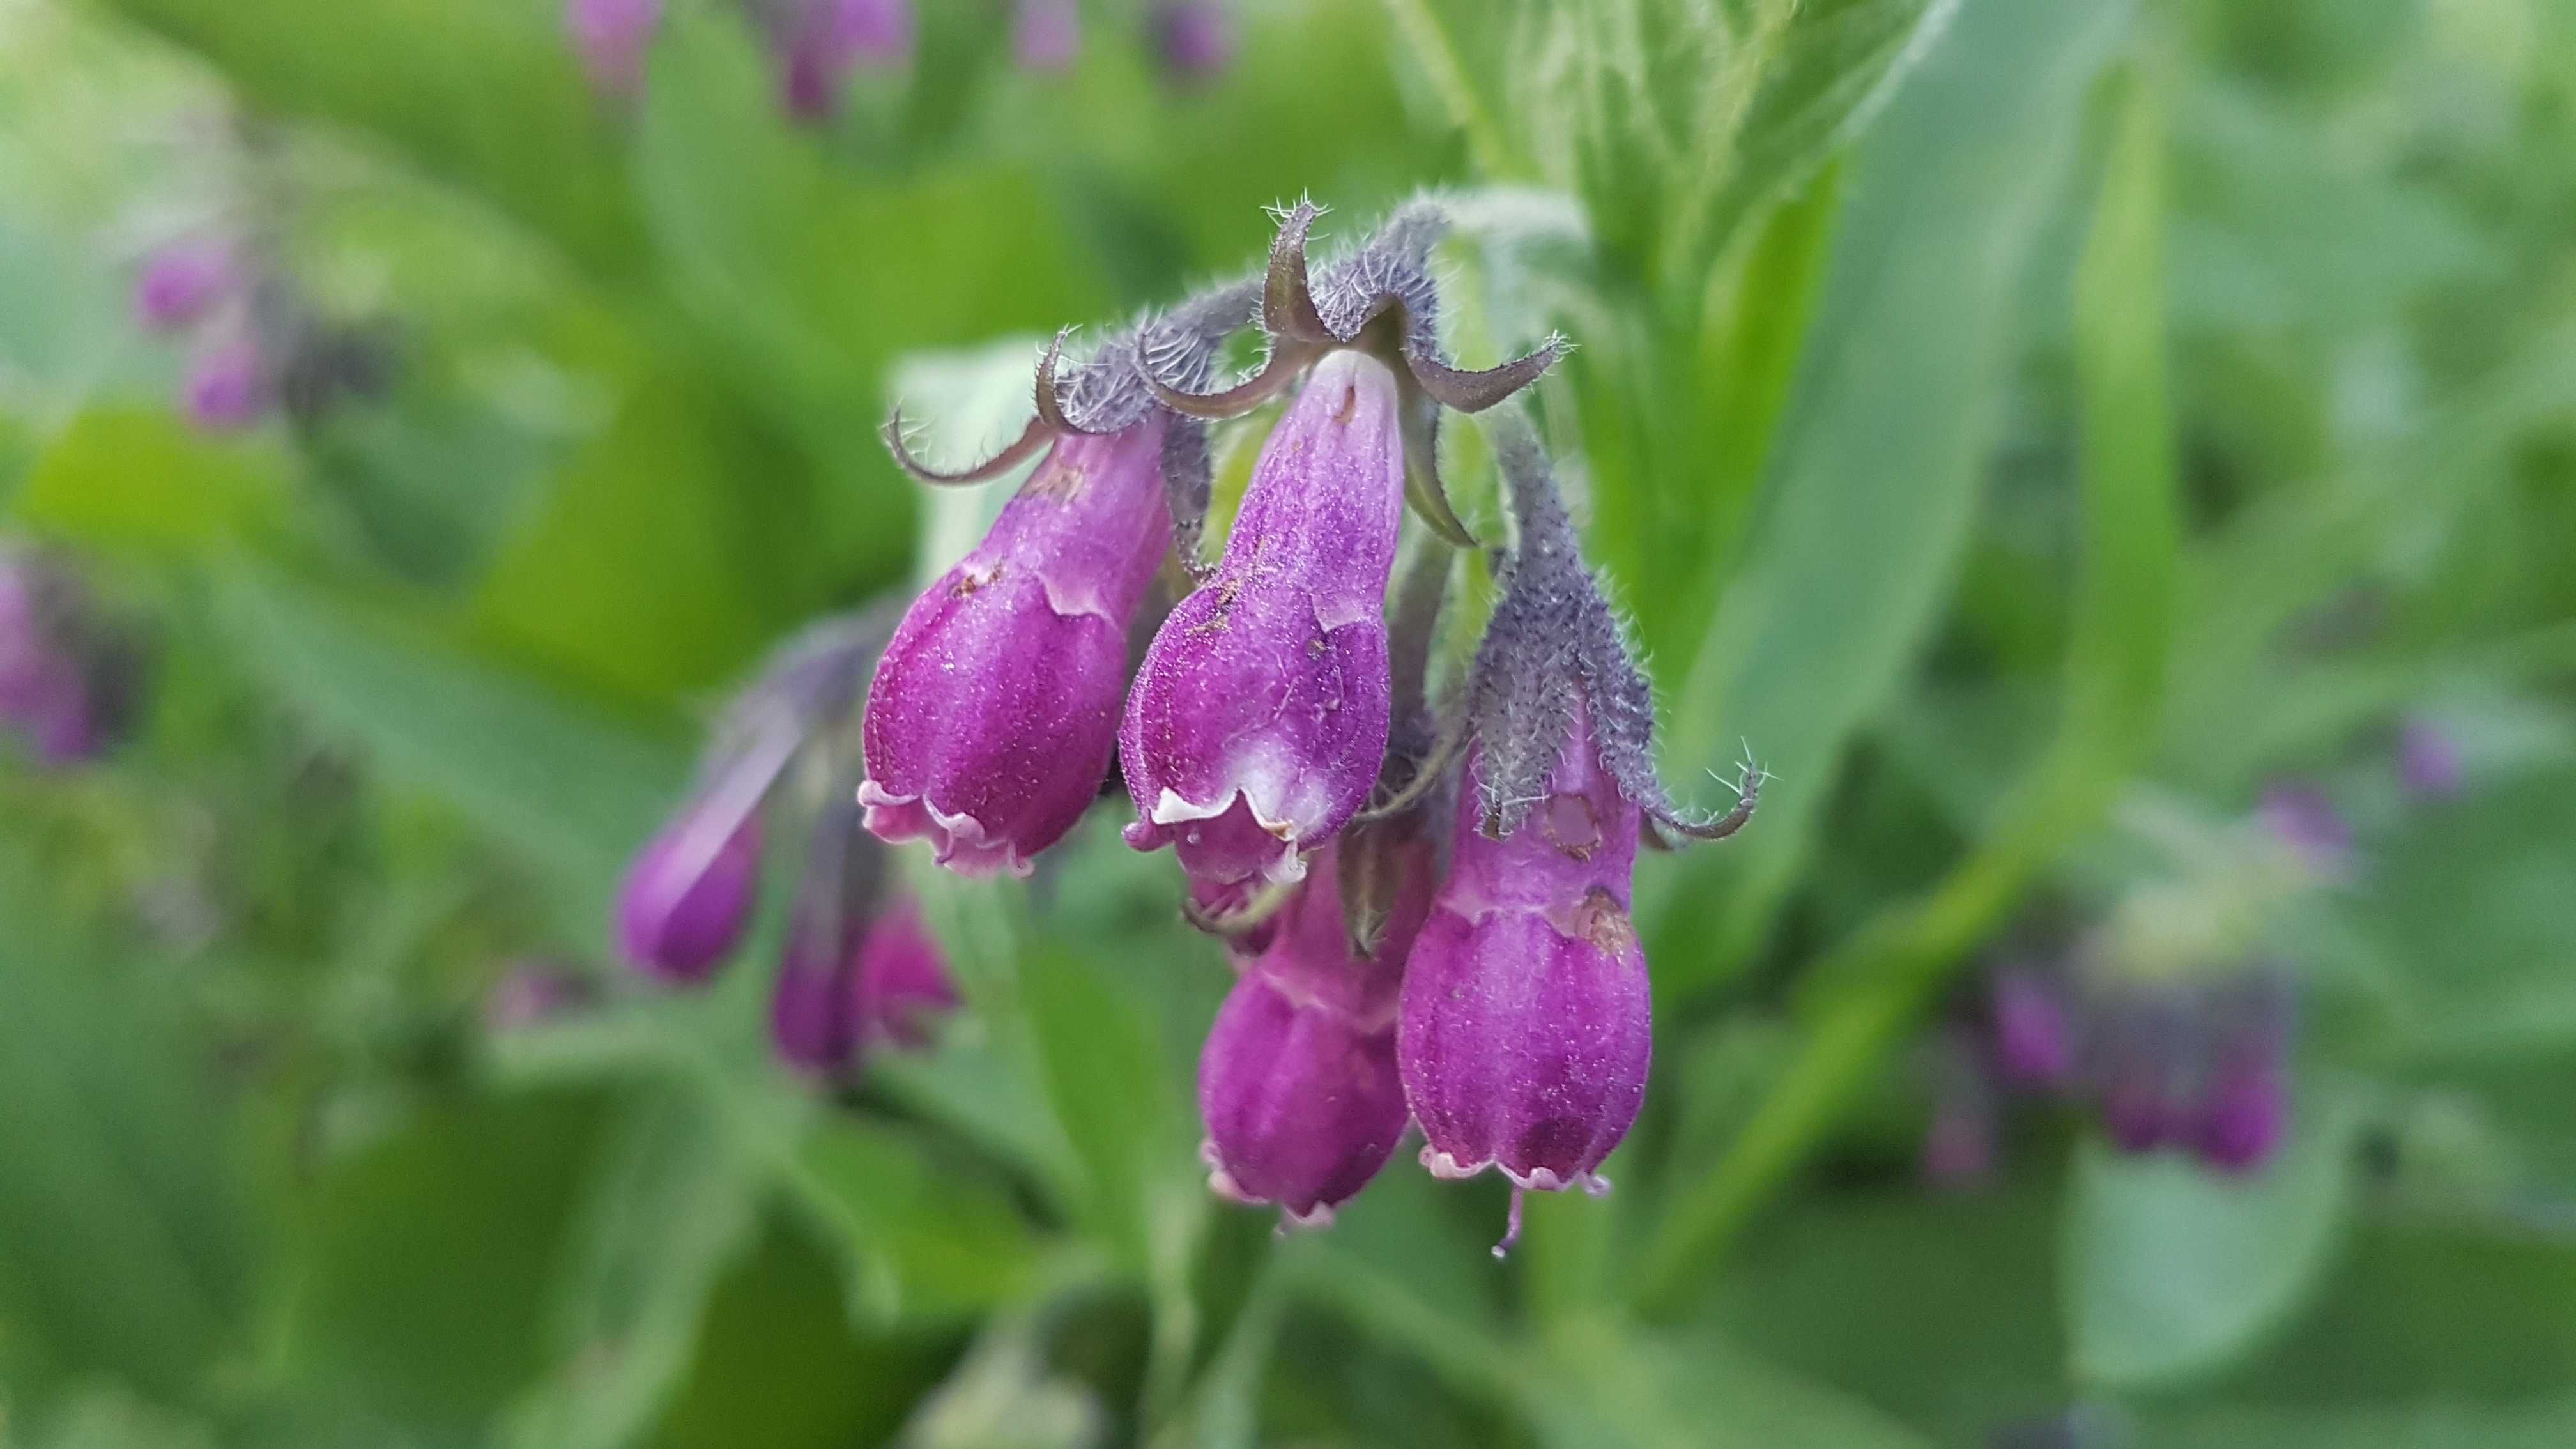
x=572, y=790
x=670, y=1209
x=427, y=1256
x=2436, y=1424
x=1875, y=477
x=933, y=1240
x=2172, y=1270
x=1634, y=1388
x=482, y=94
x=138, y=479
x=125, y=1241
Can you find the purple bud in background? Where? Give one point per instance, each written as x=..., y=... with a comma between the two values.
x=995, y=709
x=822, y=41
x=1298, y=1084
x=182, y=282
x=1195, y=38
x=1258, y=721
x=227, y=384
x=903, y=986
x=610, y=38
x=2244, y=1111
x=2146, y=1050
x=2301, y=817
x=1046, y=36
x=813, y=1006
x=66, y=678
x=2033, y=1041
x=533, y=992
x=690, y=890
x=1526, y=1028
x=2429, y=762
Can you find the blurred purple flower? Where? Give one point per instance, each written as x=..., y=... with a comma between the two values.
x=903, y=985
x=689, y=893
x=1195, y=38
x=610, y=38
x=531, y=993
x=2303, y=818
x=2033, y=1037
x=2430, y=764
x=228, y=383
x=65, y=676
x=822, y=41
x=1046, y=36
x=183, y=281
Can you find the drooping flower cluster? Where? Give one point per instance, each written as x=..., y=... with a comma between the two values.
x=816, y=47
x=1494, y=991
x=858, y=969
x=68, y=675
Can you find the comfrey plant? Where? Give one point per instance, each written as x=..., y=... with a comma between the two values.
x=69, y=675
x=858, y=969
x=1488, y=985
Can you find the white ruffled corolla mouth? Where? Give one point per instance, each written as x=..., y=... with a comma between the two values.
x=1222, y=1183
x=1441, y=1164
x=959, y=842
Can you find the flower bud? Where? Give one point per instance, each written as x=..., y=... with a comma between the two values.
x=2244, y=1107
x=1195, y=38
x=227, y=384
x=610, y=37
x=1046, y=36
x=2148, y=1046
x=689, y=893
x=66, y=679
x=813, y=1005
x=1258, y=722
x=822, y=41
x=2304, y=819
x=184, y=281
x=903, y=985
x=2032, y=1039
x=2429, y=763
x=995, y=708
x=1298, y=1084
x=1526, y=1032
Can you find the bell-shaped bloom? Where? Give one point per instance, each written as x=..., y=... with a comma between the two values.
x=1298, y=1083
x=2145, y=1053
x=995, y=708
x=902, y=985
x=184, y=281
x=822, y=41
x=1526, y=1028
x=690, y=890
x=813, y=1007
x=1195, y=38
x=227, y=386
x=1258, y=722
x=2243, y=1112
x=610, y=38
x=1046, y=36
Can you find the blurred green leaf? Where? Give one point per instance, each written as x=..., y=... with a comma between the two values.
x=936, y=1240
x=670, y=1208
x=426, y=1256
x=573, y=790
x=126, y=1247
x=482, y=94
x=2172, y=1270
x=1876, y=474
x=1633, y=1388
x=2434, y=1425
x=139, y=479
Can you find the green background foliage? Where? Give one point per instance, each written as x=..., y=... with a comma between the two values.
x=2027, y=426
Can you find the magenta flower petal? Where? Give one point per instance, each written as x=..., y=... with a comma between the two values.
x=995, y=708
x=228, y=384
x=1527, y=1032
x=610, y=38
x=1264, y=700
x=184, y=281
